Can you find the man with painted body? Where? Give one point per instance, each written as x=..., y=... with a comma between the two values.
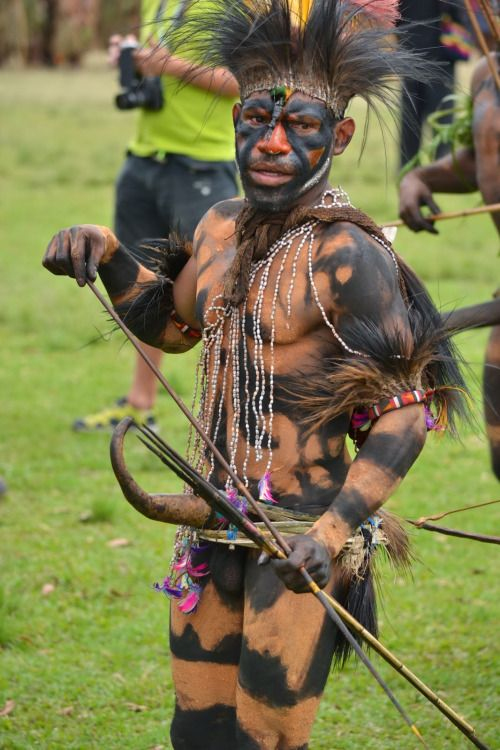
x=468, y=169
x=251, y=661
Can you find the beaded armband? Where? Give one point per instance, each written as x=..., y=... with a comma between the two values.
x=184, y=327
x=363, y=419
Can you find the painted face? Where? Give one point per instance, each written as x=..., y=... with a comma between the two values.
x=282, y=152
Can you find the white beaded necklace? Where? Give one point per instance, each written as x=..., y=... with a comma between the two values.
x=224, y=322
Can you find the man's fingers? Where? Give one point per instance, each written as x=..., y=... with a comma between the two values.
x=78, y=247
x=429, y=201
x=76, y=252
x=62, y=249
x=429, y=226
x=49, y=259
x=416, y=221
x=97, y=250
x=434, y=209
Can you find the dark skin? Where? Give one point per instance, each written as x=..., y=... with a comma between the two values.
x=258, y=689
x=471, y=169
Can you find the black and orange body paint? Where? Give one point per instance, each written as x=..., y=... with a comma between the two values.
x=236, y=674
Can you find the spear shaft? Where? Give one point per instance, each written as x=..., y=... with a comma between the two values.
x=492, y=208
x=482, y=42
x=455, y=718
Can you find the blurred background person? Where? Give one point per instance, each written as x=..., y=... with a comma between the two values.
x=435, y=30
x=180, y=162
x=472, y=165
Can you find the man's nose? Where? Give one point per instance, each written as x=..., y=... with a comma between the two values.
x=276, y=142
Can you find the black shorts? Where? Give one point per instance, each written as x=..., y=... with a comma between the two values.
x=154, y=198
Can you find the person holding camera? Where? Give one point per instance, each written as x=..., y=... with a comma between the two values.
x=180, y=162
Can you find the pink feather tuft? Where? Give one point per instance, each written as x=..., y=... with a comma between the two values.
x=384, y=12
x=190, y=602
x=181, y=564
x=265, y=489
x=198, y=571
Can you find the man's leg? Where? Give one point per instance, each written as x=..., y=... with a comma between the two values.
x=205, y=648
x=137, y=217
x=285, y=661
x=491, y=392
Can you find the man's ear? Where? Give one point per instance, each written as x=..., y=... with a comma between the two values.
x=343, y=132
x=236, y=113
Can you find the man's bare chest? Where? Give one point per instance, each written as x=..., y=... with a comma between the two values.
x=281, y=304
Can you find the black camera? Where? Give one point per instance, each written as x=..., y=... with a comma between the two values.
x=138, y=91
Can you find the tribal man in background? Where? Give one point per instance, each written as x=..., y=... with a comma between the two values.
x=312, y=328
x=475, y=166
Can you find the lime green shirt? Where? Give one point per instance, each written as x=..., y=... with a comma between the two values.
x=193, y=122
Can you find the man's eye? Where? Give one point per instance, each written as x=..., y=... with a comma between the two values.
x=303, y=127
x=258, y=119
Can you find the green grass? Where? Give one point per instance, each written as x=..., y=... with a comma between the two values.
x=77, y=656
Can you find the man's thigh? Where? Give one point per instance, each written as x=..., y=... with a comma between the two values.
x=205, y=648
x=136, y=211
x=191, y=187
x=285, y=661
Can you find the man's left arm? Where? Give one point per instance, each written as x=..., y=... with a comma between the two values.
x=394, y=443
x=371, y=294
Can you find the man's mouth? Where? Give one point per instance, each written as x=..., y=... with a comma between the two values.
x=270, y=174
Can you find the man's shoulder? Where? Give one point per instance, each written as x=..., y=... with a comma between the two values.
x=226, y=210
x=349, y=253
x=221, y=212
x=218, y=222
x=346, y=236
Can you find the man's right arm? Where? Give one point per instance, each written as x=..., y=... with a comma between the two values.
x=143, y=299
x=454, y=173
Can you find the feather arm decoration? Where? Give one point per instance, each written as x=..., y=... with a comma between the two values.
x=341, y=385
x=148, y=309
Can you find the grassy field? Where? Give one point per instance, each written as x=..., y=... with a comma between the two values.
x=83, y=637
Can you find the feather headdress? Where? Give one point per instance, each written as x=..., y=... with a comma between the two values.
x=331, y=50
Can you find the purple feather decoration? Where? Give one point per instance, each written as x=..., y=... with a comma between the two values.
x=169, y=588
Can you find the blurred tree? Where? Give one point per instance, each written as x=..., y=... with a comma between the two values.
x=13, y=32
x=120, y=17
x=54, y=32
x=75, y=29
